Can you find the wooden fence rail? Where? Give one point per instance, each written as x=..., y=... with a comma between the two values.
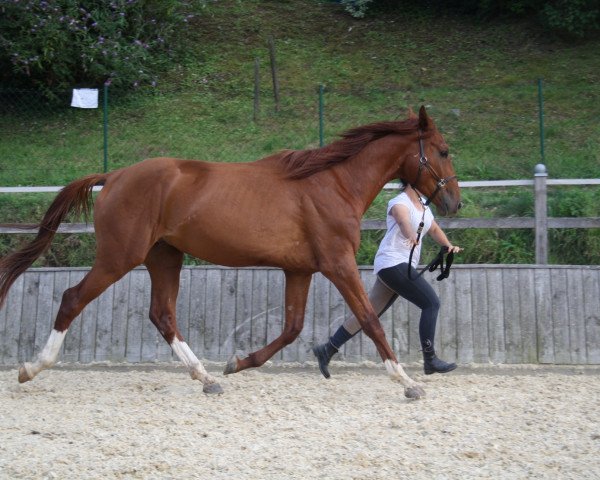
x=500, y=314
x=490, y=313
x=540, y=222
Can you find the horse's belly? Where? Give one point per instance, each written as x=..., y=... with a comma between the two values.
x=237, y=248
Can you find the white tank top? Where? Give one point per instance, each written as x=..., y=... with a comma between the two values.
x=394, y=248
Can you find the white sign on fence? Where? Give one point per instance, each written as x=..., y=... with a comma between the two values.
x=85, y=98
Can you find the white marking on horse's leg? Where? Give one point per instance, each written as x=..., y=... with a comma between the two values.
x=185, y=354
x=412, y=389
x=397, y=373
x=46, y=358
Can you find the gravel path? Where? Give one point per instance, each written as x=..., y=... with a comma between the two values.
x=153, y=422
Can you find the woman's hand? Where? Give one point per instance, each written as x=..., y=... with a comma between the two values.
x=454, y=249
x=412, y=241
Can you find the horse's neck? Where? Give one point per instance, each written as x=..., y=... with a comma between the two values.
x=367, y=173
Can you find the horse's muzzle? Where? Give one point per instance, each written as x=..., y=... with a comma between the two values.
x=449, y=206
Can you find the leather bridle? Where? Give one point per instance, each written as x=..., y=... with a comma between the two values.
x=440, y=183
x=424, y=164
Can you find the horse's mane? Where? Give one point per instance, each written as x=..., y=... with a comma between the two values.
x=303, y=163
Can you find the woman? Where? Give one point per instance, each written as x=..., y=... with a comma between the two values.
x=404, y=214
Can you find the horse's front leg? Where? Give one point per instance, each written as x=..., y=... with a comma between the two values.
x=296, y=292
x=344, y=275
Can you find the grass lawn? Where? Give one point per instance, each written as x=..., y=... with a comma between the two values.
x=479, y=81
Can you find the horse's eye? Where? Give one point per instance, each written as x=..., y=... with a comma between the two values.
x=444, y=153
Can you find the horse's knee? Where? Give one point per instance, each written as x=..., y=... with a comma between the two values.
x=296, y=330
x=291, y=333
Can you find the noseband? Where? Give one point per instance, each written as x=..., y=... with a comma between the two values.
x=424, y=164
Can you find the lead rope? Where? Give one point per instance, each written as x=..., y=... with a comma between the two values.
x=438, y=261
x=412, y=250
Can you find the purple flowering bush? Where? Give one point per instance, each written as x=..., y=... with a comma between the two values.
x=58, y=44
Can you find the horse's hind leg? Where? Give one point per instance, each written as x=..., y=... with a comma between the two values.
x=74, y=299
x=296, y=292
x=164, y=265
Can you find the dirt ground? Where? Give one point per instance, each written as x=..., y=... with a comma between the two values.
x=288, y=422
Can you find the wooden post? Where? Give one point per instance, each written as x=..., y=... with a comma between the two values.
x=256, y=89
x=541, y=214
x=274, y=72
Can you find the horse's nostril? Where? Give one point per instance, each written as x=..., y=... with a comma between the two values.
x=459, y=205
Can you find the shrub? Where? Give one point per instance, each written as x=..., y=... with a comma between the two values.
x=356, y=8
x=573, y=18
x=65, y=43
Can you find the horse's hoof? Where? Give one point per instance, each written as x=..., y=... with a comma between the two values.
x=231, y=365
x=212, y=389
x=415, y=393
x=24, y=375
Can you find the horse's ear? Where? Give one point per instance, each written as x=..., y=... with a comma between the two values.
x=424, y=121
x=411, y=113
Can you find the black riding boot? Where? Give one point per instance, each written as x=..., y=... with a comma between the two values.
x=324, y=353
x=432, y=364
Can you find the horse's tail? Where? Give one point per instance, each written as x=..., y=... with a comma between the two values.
x=75, y=196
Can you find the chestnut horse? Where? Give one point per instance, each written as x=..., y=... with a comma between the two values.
x=296, y=210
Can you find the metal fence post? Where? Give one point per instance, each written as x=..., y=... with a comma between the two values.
x=541, y=214
x=256, y=89
x=321, y=128
x=541, y=116
x=105, y=117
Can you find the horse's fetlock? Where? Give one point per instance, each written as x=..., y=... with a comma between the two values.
x=254, y=361
x=46, y=362
x=196, y=371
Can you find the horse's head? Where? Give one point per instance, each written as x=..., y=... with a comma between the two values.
x=430, y=170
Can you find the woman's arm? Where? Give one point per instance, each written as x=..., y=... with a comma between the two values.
x=402, y=216
x=439, y=237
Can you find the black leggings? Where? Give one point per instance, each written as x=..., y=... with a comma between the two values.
x=418, y=292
